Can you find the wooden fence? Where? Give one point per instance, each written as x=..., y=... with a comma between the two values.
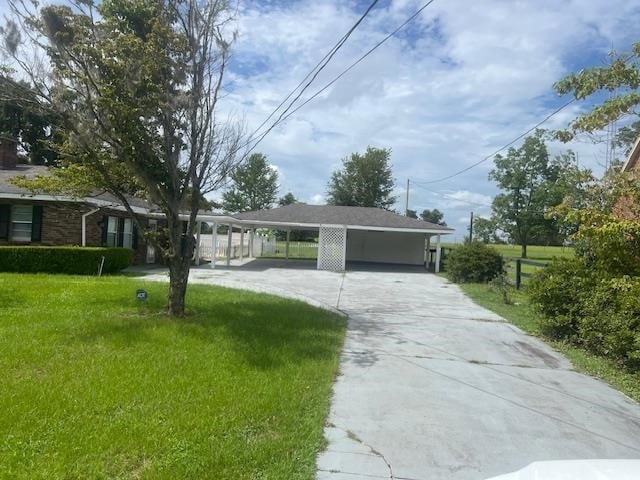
x=519, y=274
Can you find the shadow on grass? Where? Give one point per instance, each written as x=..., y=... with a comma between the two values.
x=266, y=331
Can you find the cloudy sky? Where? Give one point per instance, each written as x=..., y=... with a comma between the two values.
x=460, y=81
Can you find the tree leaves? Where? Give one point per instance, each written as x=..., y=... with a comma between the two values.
x=365, y=180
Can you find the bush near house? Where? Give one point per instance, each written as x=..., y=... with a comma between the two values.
x=593, y=301
x=474, y=262
x=69, y=260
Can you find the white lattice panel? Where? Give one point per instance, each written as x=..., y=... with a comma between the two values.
x=332, y=248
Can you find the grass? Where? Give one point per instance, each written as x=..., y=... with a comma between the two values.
x=96, y=386
x=523, y=316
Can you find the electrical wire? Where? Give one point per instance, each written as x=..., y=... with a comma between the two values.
x=490, y=156
x=344, y=72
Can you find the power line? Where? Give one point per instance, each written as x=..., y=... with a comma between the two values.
x=312, y=73
x=490, y=156
x=344, y=72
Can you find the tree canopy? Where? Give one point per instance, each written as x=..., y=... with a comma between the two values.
x=135, y=85
x=365, y=180
x=288, y=199
x=25, y=120
x=255, y=186
x=531, y=185
x=620, y=78
x=433, y=216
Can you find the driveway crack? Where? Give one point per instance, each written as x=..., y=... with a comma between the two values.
x=355, y=438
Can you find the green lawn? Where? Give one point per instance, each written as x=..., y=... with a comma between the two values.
x=522, y=315
x=95, y=386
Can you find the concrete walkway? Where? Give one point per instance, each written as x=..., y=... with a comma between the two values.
x=434, y=387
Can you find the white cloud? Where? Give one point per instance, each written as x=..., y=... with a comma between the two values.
x=468, y=78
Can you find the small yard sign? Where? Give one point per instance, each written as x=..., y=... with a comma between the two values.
x=141, y=295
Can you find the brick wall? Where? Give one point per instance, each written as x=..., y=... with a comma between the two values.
x=62, y=225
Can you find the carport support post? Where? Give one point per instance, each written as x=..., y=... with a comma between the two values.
x=199, y=229
x=229, y=244
x=286, y=250
x=427, y=261
x=214, y=244
x=250, y=243
x=241, y=244
x=438, y=253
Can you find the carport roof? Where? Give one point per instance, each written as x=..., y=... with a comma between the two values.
x=301, y=214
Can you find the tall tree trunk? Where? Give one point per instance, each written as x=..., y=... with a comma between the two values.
x=178, y=277
x=524, y=249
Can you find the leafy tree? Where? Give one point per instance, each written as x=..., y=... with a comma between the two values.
x=288, y=199
x=532, y=184
x=364, y=181
x=412, y=213
x=24, y=120
x=433, y=216
x=255, y=185
x=485, y=230
x=620, y=78
x=136, y=86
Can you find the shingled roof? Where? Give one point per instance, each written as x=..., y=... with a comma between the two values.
x=31, y=171
x=315, y=215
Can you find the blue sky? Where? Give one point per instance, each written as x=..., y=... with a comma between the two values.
x=464, y=79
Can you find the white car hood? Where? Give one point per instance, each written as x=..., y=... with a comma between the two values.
x=577, y=470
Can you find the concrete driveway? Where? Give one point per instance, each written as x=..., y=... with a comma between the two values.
x=433, y=386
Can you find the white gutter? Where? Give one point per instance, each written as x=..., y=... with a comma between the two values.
x=84, y=225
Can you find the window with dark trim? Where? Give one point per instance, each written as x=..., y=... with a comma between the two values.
x=21, y=222
x=119, y=232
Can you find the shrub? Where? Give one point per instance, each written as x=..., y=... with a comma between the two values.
x=558, y=292
x=611, y=324
x=474, y=262
x=70, y=260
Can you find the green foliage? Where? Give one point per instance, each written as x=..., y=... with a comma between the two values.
x=502, y=285
x=365, y=180
x=24, y=120
x=255, y=186
x=474, y=262
x=70, y=260
x=433, y=216
x=558, y=293
x=288, y=199
x=611, y=323
x=411, y=213
x=621, y=79
x=485, y=230
x=531, y=185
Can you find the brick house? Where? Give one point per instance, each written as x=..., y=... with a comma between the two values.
x=37, y=219
x=623, y=208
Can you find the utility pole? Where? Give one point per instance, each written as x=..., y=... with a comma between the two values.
x=471, y=229
x=406, y=205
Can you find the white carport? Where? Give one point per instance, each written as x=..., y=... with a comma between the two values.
x=346, y=234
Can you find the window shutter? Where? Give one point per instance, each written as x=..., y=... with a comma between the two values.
x=105, y=229
x=5, y=212
x=134, y=241
x=36, y=224
x=120, y=239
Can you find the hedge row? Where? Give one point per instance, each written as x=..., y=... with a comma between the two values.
x=70, y=260
x=588, y=308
